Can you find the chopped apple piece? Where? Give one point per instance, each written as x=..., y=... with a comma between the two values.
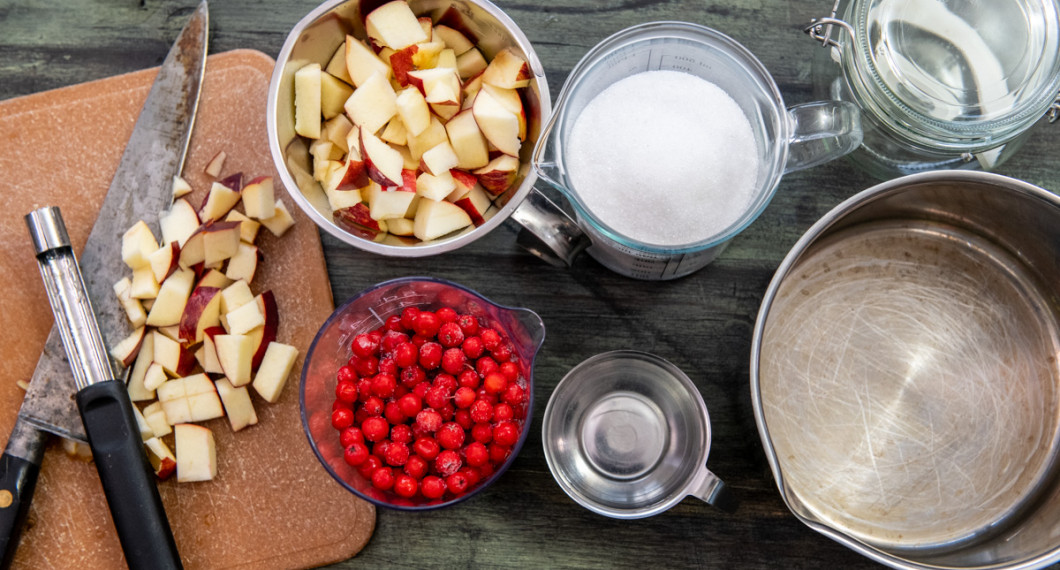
x=499, y=174
x=435, y=219
x=467, y=141
x=339, y=199
x=203, y=310
x=507, y=70
x=174, y=358
x=395, y=132
x=307, y=100
x=164, y=261
x=362, y=62
x=509, y=99
x=214, y=278
x=266, y=333
x=134, y=310
x=141, y=424
x=280, y=221
x=337, y=130
x=126, y=349
x=216, y=164
x=499, y=125
x=372, y=104
x=259, y=197
x=238, y=407
x=136, y=389
x=244, y=263
x=155, y=377
x=137, y=244
x=144, y=285
x=190, y=399
x=446, y=59
x=384, y=164
x=235, y=353
x=172, y=296
x=400, y=226
x=244, y=318
x=432, y=136
x=337, y=65
x=162, y=459
x=196, y=453
x=220, y=241
x=248, y=228
x=435, y=187
x=394, y=25
x=388, y=203
x=180, y=187
x=427, y=80
x=235, y=295
x=470, y=63
x=439, y=159
x=453, y=39
x=218, y=202
x=179, y=222
x=333, y=95
x=475, y=203
x=275, y=368
x=413, y=110
x=210, y=364
x=156, y=418
x=444, y=100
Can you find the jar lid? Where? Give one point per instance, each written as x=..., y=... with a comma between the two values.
x=961, y=70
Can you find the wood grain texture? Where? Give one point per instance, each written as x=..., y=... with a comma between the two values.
x=702, y=323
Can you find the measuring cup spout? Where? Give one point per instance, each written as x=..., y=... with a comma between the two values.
x=822, y=131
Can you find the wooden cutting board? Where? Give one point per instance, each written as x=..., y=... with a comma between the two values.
x=272, y=504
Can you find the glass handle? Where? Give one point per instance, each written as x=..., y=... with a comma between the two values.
x=548, y=232
x=709, y=489
x=822, y=131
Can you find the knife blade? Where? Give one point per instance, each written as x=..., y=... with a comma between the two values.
x=140, y=190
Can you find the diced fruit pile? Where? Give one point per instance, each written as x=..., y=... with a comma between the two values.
x=429, y=405
x=413, y=132
x=202, y=336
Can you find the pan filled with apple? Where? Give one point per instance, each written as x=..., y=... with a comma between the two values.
x=406, y=128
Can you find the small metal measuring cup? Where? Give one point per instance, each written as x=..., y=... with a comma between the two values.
x=627, y=434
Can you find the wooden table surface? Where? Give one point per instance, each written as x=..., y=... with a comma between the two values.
x=703, y=323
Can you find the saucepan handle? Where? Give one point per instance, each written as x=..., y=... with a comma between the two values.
x=822, y=131
x=548, y=232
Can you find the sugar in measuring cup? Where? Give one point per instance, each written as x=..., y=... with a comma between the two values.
x=669, y=138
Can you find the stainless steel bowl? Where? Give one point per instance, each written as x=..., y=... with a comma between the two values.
x=316, y=37
x=904, y=373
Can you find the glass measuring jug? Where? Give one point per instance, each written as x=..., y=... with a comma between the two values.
x=784, y=140
x=941, y=85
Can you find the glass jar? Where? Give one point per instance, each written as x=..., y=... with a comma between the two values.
x=942, y=84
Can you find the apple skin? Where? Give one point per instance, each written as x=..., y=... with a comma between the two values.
x=198, y=313
x=401, y=63
x=233, y=181
x=166, y=468
x=499, y=174
x=267, y=302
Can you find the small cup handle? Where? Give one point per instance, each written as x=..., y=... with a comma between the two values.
x=822, y=131
x=548, y=232
x=708, y=488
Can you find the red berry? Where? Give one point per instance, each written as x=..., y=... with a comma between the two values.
x=346, y=391
x=393, y=414
x=446, y=314
x=429, y=420
x=383, y=478
x=418, y=340
x=405, y=486
x=447, y=463
x=412, y=376
x=388, y=366
x=484, y=471
x=436, y=397
x=383, y=385
x=346, y=373
x=510, y=371
x=472, y=347
x=410, y=405
x=364, y=345
x=365, y=365
x=396, y=454
x=350, y=436
x=486, y=396
x=430, y=355
x=401, y=433
x=364, y=388
x=446, y=382
x=432, y=487
x=369, y=466
x=481, y=411
x=491, y=339
x=450, y=436
x=450, y=335
x=463, y=418
x=447, y=411
x=393, y=323
x=464, y=397
x=392, y=340
x=499, y=453
x=342, y=418
x=427, y=324
x=473, y=475
x=495, y=383
x=408, y=316
x=506, y=433
x=514, y=395
x=502, y=412
x=375, y=428
x=380, y=448
x=421, y=389
x=454, y=360
x=482, y=433
x=456, y=483
x=486, y=365
x=355, y=454
x=373, y=406
x=502, y=353
x=468, y=324
x=476, y=454
x=416, y=466
x=406, y=354
x=426, y=448
x=468, y=379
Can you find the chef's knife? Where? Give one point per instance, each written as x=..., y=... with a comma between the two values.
x=106, y=411
x=141, y=188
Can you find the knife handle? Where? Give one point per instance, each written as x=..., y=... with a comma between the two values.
x=127, y=477
x=19, y=467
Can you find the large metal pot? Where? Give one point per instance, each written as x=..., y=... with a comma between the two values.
x=904, y=373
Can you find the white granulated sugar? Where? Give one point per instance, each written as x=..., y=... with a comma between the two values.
x=663, y=157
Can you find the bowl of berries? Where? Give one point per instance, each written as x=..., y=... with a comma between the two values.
x=417, y=392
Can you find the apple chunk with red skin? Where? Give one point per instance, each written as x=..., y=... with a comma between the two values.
x=267, y=305
x=435, y=219
x=259, y=197
x=126, y=349
x=179, y=222
x=499, y=125
x=394, y=25
x=507, y=70
x=499, y=174
x=196, y=453
x=383, y=162
x=203, y=310
x=475, y=203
